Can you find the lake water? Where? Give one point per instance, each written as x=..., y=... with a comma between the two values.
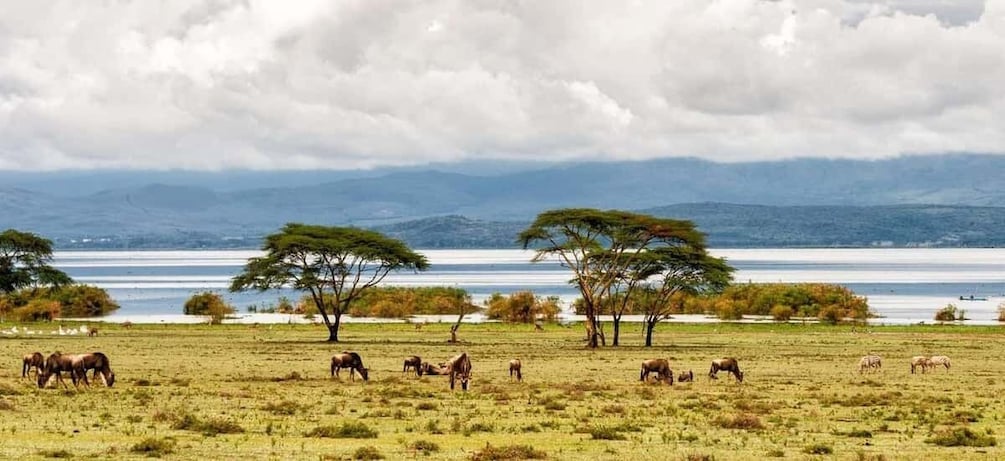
x=903, y=285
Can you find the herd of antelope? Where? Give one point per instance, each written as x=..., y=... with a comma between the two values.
x=77, y=365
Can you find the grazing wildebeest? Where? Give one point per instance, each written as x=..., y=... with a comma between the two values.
x=413, y=362
x=353, y=362
x=937, y=360
x=57, y=363
x=870, y=362
x=127, y=324
x=727, y=364
x=92, y=332
x=34, y=360
x=514, y=367
x=659, y=366
x=685, y=376
x=920, y=361
x=459, y=367
x=98, y=362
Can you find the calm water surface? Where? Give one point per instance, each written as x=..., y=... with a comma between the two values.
x=902, y=285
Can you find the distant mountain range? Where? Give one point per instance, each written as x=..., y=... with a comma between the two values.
x=946, y=200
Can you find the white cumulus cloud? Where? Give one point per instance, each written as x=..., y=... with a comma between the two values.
x=265, y=84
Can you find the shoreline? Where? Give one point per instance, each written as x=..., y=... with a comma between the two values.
x=563, y=318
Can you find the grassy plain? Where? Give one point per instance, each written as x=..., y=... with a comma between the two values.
x=263, y=392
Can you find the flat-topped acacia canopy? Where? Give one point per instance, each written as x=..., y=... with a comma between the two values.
x=333, y=264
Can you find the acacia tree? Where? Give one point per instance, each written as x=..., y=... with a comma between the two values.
x=333, y=264
x=25, y=262
x=666, y=273
x=600, y=247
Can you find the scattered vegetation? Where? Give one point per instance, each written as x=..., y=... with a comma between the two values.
x=828, y=302
x=404, y=302
x=508, y=452
x=962, y=437
x=367, y=453
x=522, y=307
x=348, y=430
x=154, y=447
x=210, y=304
x=950, y=313
x=818, y=449
x=38, y=304
x=744, y=421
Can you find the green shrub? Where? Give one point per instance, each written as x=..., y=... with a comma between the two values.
x=154, y=447
x=424, y=446
x=65, y=301
x=83, y=301
x=818, y=449
x=509, y=452
x=36, y=310
x=950, y=313
x=606, y=433
x=744, y=421
x=781, y=313
x=962, y=437
x=828, y=302
x=208, y=303
x=403, y=302
x=521, y=307
x=349, y=430
x=367, y=453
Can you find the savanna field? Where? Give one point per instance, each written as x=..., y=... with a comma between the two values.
x=264, y=392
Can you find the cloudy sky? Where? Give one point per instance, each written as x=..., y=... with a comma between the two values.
x=219, y=84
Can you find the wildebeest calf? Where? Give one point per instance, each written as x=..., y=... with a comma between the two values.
x=413, y=362
x=34, y=360
x=685, y=376
x=514, y=367
x=920, y=361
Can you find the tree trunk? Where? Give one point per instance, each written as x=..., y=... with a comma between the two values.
x=591, y=332
x=617, y=330
x=650, y=326
x=333, y=328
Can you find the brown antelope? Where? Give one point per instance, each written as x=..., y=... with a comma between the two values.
x=659, y=366
x=727, y=364
x=92, y=332
x=514, y=367
x=413, y=362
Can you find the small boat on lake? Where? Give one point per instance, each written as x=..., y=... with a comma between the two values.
x=973, y=298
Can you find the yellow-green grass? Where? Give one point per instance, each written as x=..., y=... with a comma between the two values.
x=177, y=384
